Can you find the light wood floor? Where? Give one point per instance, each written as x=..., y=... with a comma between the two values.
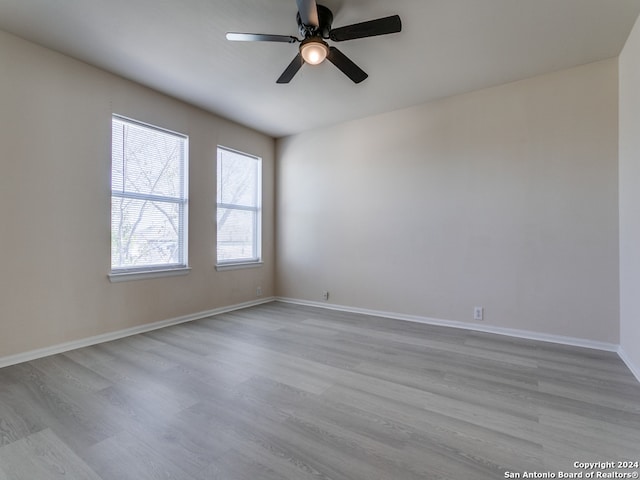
x=288, y=392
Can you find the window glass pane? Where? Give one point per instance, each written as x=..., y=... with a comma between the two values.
x=237, y=179
x=147, y=160
x=144, y=233
x=236, y=234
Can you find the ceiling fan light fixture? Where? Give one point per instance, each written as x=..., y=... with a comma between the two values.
x=314, y=25
x=314, y=51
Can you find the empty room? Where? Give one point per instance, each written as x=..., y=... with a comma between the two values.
x=341, y=240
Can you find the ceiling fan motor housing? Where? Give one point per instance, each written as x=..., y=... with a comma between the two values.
x=325, y=19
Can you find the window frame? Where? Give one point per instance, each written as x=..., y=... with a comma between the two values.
x=256, y=260
x=117, y=274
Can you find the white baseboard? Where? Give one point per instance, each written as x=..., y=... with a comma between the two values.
x=107, y=337
x=635, y=369
x=510, y=332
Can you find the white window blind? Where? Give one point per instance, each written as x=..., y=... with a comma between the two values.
x=148, y=197
x=239, y=206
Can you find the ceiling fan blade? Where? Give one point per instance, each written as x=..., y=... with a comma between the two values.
x=308, y=12
x=372, y=28
x=259, y=37
x=345, y=65
x=291, y=70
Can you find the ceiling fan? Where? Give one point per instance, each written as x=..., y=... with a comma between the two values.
x=314, y=25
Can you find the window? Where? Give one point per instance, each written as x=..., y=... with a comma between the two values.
x=239, y=203
x=148, y=198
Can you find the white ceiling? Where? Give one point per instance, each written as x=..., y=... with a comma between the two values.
x=446, y=47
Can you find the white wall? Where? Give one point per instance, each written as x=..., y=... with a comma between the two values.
x=629, y=67
x=55, y=161
x=504, y=198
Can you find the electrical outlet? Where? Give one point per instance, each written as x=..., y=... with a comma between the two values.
x=259, y=292
x=325, y=295
x=478, y=313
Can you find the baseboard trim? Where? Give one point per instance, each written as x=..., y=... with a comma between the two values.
x=107, y=337
x=630, y=365
x=509, y=332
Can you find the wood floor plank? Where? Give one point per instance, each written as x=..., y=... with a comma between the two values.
x=129, y=378
x=204, y=368
x=43, y=455
x=255, y=441
x=45, y=404
x=63, y=370
x=126, y=456
x=13, y=426
x=241, y=465
x=289, y=392
x=371, y=435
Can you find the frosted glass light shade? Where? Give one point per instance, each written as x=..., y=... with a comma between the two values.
x=314, y=52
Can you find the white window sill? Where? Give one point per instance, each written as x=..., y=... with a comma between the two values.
x=237, y=265
x=125, y=276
